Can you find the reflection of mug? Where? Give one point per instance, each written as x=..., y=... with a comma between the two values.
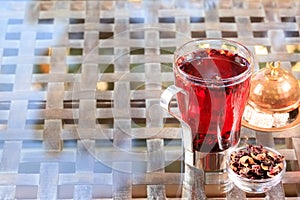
x=212, y=82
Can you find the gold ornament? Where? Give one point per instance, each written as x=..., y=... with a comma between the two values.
x=274, y=100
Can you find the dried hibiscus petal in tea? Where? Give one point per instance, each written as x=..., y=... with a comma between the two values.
x=256, y=162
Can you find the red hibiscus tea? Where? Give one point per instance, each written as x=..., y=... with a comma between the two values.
x=216, y=86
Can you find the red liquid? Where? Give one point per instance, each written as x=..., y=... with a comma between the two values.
x=213, y=110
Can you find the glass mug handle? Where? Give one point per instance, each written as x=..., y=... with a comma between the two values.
x=165, y=103
x=166, y=98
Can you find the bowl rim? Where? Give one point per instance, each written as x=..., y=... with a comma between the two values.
x=264, y=180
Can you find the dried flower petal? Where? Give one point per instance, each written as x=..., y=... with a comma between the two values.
x=264, y=167
x=256, y=162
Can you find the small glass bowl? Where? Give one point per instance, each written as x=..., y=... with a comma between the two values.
x=255, y=186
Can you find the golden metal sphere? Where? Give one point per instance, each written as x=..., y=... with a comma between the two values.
x=274, y=90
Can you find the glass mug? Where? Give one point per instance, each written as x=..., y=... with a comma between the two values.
x=212, y=85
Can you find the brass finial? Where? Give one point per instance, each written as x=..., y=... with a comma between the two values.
x=274, y=68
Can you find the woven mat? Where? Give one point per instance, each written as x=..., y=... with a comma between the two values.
x=80, y=83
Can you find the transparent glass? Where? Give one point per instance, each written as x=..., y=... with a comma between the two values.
x=259, y=185
x=212, y=83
